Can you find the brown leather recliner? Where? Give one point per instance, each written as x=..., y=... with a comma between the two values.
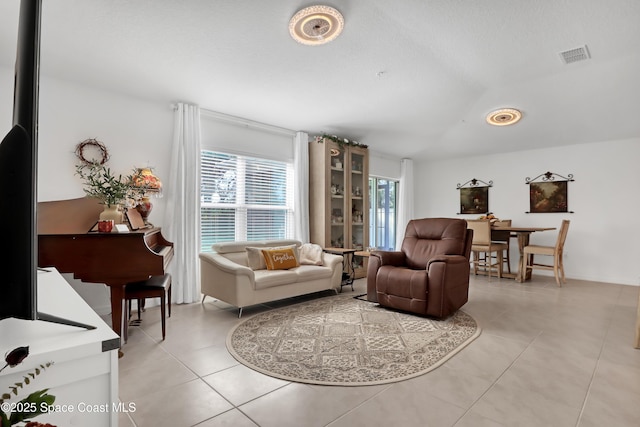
x=430, y=274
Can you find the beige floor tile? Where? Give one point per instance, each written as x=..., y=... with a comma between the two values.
x=457, y=387
x=140, y=349
x=515, y=407
x=207, y=360
x=550, y=374
x=298, y=405
x=180, y=406
x=158, y=374
x=475, y=420
x=616, y=378
x=240, y=384
x=488, y=356
x=609, y=406
x=546, y=356
x=232, y=418
x=402, y=405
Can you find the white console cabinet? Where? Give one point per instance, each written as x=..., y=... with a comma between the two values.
x=84, y=374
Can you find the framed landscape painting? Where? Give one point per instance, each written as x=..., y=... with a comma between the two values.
x=474, y=200
x=548, y=197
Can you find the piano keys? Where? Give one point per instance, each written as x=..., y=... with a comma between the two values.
x=115, y=259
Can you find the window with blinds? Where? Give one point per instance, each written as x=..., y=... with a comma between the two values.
x=244, y=198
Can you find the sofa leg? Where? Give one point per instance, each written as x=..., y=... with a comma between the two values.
x=203, y=297
x=239, y=312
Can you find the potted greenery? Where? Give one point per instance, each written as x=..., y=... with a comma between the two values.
x=110, y=190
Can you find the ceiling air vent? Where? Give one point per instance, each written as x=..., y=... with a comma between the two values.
x=574, y=55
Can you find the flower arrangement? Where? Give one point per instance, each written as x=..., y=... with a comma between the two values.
x=102, y=184
x=144, y=181
x=340, y=141
x=31, y=406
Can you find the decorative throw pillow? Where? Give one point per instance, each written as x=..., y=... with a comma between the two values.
x=310, y=254
x=280, y=258
x=255, y=258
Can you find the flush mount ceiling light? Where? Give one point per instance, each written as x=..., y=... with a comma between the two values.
x=504, y=117
x=315, y=25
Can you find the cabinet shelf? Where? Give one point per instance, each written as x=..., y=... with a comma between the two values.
x=325, y=206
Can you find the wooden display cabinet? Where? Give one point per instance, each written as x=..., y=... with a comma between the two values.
x=339, y=198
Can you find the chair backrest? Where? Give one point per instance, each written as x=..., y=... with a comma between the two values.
x=481, y=231
x=502, y=223
x=427, y=237
x=562, y=235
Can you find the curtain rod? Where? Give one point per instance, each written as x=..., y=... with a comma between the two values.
x=245, y=122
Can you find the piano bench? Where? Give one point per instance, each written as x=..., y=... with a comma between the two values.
x=153, y=287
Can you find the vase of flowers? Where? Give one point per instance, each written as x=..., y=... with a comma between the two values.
x=112, y=191
x=144, y=183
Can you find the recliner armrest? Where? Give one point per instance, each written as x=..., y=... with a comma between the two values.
x=449, y=259
x=393, y=258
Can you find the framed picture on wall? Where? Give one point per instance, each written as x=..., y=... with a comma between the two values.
x=474, y=197
x=546, y=194
x=474, y=200
x=548, y=197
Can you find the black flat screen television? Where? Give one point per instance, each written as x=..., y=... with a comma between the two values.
x=18, y=167
x=18, y=181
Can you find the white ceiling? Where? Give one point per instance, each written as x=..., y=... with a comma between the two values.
x=411, y=78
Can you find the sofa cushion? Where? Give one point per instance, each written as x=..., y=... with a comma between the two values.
x=271, y=278
x=255, y=259
x=312, y=272
x=280, y=258
x=237, y=257
x=310, y=253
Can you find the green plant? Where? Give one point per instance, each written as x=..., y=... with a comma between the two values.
x=31, y=406
x=100, y=183
x=342, y=142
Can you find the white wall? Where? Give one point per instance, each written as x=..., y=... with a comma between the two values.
x=602, y=243
x=383, y=166
x=136, y=133
x=243, y=138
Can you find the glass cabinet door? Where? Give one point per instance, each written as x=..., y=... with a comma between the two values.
x=337, y=193
x=357, y=201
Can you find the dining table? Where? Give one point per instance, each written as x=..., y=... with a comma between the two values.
x=522, y=234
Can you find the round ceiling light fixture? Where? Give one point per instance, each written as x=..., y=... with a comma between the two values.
x=315, y=25
x=504, y=117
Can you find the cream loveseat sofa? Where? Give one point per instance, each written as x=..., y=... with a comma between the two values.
x=225, y=275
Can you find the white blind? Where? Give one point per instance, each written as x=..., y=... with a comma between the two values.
x=244, y=198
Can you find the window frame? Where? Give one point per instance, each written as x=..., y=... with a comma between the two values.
x=240, y=207
x=390, y=215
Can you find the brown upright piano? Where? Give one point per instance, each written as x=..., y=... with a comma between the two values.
x=65, y=241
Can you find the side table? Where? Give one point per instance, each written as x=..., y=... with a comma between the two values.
x=348, y=273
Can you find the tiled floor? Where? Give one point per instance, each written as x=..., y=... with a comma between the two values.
x=547, y=356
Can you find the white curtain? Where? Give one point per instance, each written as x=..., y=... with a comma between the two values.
x=301, y=186
x=405, y=202
x=183, y=204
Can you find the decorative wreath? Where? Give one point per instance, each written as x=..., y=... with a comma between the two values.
x=96, y=145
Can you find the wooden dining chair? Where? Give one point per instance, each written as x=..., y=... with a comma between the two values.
x=153, y=287
x=553, y=251
x=503, y=236
x=482, y=248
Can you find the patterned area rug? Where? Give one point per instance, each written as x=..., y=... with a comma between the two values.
x=341, y=340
